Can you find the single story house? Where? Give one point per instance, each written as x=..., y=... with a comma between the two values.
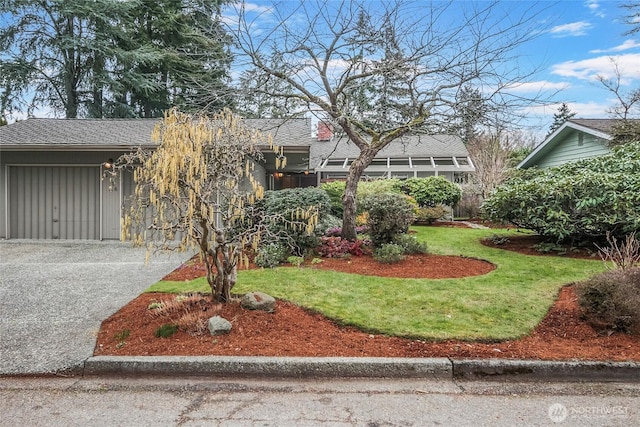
x=576, y=139
x=53, y=171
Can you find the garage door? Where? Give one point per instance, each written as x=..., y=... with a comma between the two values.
x=54, y=202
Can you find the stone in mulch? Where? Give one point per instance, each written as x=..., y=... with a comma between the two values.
x=258, y=301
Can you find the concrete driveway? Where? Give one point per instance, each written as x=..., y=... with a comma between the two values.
x=55, y=294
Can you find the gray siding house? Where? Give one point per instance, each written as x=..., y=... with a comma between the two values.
x=54, y=185
x=576, y=139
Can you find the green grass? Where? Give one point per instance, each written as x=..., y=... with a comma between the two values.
x=504, y=304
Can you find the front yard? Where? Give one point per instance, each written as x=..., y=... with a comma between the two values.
x=506, y=303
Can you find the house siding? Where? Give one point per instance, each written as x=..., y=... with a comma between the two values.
x=569, y=150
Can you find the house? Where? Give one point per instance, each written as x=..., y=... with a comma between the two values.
x=576, y=139
x=53, y=172
x=418, y=156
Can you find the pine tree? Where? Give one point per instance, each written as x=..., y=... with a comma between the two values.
x=564, y=114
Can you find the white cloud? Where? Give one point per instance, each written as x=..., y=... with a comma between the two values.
x=589, y=69
x=539, y=86
x=572, y=29
x=594, y=7
x=626, y=45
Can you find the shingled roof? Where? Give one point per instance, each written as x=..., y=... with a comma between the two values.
x=407, y=146
x=123, y=133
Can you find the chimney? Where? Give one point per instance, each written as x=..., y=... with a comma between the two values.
x=325, y=131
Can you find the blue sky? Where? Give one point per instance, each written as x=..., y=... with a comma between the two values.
x=578, y=41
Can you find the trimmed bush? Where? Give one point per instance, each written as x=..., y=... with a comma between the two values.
x=611, y=300
x=286, y=203
x=410, y=244
x=335, y=191
x=430, y=191
x=429, y=215
x=579, y=201
x=390, y=214
x=389, y=253
x=271, y=255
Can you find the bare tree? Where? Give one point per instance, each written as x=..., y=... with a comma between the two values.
x=381, y=70
x=626, y=129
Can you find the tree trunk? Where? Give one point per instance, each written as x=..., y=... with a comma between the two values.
x=349, y=202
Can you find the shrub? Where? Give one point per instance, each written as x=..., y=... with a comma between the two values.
x=336, y=247
x=389, y=253
x=623, y=255
x=289, y=201
x=335, y=191
x=271, y=255
x=578, y=201
x=166, y=330
x=390, y=214
x=376, y=186
x=431, y=191
x=410, y=244
x=429, y=215
x=611, y=300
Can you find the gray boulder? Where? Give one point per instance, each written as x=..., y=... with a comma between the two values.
x=219, y=326
x=258, y=301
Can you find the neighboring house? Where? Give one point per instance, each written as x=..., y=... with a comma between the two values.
x=576, y=139
x=54, y=185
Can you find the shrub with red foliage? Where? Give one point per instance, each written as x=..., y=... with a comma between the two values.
x=336, y=247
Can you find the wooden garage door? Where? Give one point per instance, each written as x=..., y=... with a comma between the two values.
x=54, y=202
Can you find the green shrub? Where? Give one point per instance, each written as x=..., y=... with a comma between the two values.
x=390, y=214
x=289, y=201
x=578, y=201
x=335, y=191
x=166, y=330
x=271, y=255
x=389, y=253
x=428, y=215
x=611, y=300
x=431, y=191
x=410, y=244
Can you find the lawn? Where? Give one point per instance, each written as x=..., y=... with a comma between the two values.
x=504, y=304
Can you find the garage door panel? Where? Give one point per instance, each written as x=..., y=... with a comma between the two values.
x=54, y=202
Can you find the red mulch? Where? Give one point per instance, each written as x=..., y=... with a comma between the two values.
x=295, y=331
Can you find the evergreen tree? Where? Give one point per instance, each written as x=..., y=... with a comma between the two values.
x=109, y=58
x=563, y=114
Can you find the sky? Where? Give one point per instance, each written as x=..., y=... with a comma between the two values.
x=579, y=40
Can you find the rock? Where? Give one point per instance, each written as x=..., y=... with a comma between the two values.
x=258, y=301
x=219, y=326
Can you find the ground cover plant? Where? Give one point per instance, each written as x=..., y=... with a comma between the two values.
x=504, y=304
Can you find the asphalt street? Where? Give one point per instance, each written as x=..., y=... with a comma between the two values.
x=271, y=402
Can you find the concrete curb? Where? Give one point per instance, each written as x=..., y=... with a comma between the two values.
x=307, y=367
x=354, y=367
x=472, y=369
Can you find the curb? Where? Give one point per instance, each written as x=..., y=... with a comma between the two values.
x=307, y=367
x=368, y=367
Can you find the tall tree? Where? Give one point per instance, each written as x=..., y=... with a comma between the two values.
x=112, y=58
x=50, y=49
x=564, y=113
x=186, y=63
x=381, y=70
